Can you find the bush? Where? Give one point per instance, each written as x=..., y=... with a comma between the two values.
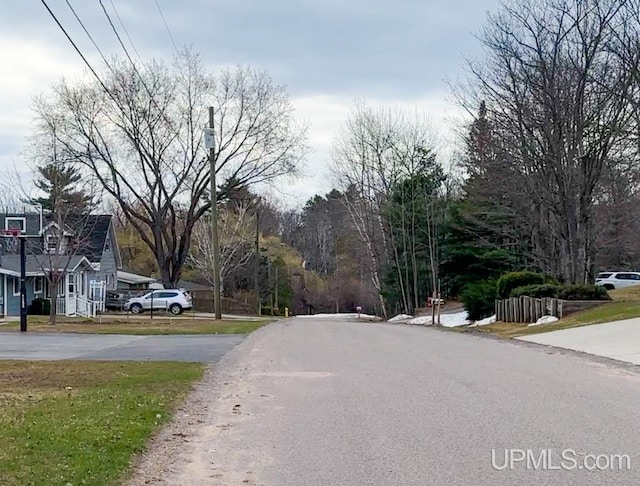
x=536, y=291
x=583, y=292
x=479, y=299
x=39, y=307
x=512, y=280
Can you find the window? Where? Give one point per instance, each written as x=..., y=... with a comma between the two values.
x=167, y=295
x=72, y=284
x=604, y=275
x=52, y=242
x=15, y=223
x=38, y=285
x=16, y=286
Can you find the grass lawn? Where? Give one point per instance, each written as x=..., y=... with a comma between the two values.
x=137, y=326
x=78, y=422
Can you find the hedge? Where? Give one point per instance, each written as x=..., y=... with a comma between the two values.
x=536, y=291
x=583, y=292
x=512, y=280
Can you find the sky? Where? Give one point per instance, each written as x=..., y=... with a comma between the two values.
x=326, y=52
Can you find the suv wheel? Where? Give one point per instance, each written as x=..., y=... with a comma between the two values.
x=175, y=309
x=136, y=309
x=609, y=287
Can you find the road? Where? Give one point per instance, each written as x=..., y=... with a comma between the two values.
x=40, y=346
x=328, y=402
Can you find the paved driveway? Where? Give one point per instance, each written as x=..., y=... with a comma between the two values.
x=116, y=347
x=618, y=340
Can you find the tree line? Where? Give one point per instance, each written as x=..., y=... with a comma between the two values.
x=546, y=178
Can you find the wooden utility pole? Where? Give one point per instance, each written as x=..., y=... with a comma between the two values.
x=214, y=221
x=256, y=269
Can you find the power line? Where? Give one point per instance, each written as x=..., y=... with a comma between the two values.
x=135, y=69
x=79, y=51
x=126, y=32
x=88, y=34
x=115, y=31
x=166, y=26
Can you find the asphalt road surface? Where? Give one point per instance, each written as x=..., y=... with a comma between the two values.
x=324, y=402
x=115, y=347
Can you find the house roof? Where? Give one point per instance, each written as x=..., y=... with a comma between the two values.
x=133, y=278
x=93, y=232
x=38, y=264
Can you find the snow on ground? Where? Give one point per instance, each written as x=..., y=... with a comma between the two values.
x=343, y=316
x=544, y=320
x=484, y=322
x=447, y=320
x=400, y=318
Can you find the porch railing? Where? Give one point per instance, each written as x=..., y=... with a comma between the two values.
x=84, y=307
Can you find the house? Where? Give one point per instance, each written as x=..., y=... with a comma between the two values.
x=88, y=259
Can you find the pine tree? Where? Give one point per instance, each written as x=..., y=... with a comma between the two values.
x=59, y=182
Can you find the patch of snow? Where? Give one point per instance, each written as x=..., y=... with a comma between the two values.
x=400, y=318
x=484, y=322
x=446, y=320
x=342, y=315
x=546, y=320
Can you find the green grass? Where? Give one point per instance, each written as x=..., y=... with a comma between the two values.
x=72, y=422
x=160, y=326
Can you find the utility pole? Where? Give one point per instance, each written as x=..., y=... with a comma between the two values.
x=214, y=219
x=23, y=285
x=256, y=269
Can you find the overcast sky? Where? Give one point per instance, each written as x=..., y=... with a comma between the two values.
x=327, y=53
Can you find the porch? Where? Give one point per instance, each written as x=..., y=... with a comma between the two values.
x=78, y=293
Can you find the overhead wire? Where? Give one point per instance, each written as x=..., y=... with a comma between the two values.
x=77, y=49
x=166, y=25
x=126, y=32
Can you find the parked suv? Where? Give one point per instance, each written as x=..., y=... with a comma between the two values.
x=618, y=280
x=172, y=300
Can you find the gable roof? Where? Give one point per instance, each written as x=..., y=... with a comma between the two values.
x=93, y=232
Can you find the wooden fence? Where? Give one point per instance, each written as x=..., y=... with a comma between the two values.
x=528, y=309
x=203, y=302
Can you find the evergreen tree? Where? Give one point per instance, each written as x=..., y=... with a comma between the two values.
x=59, y=183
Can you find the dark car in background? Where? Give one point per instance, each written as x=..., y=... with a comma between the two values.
x=115, y=300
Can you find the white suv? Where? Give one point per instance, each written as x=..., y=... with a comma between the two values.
x=173, y=300
x=618, y=280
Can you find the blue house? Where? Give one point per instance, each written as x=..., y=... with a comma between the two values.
x=86, y=260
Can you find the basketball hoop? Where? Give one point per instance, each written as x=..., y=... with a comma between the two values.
x=12, y=235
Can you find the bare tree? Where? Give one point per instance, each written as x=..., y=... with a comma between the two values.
x=557, y=96
x=378, y=148
x=236, y=231
x=139, y=134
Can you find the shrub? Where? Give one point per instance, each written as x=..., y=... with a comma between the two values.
x=39, y=307
x=479, y=299
x=512, y=280
x=536, y=291
x=583, y=292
